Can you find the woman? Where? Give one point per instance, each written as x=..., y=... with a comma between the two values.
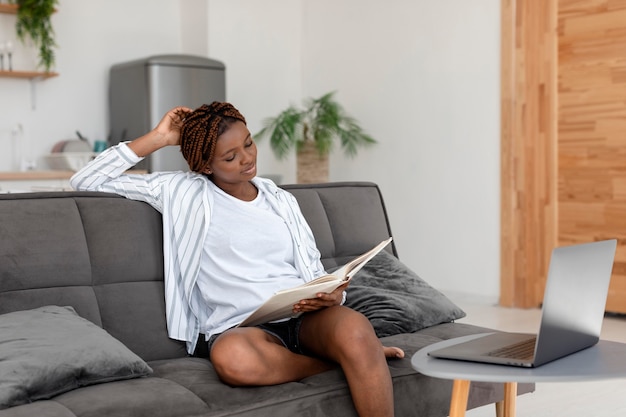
x=231, y=240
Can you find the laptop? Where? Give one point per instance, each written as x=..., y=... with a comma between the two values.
x=571, y=318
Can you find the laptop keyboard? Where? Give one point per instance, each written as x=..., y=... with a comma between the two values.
x=524, y=350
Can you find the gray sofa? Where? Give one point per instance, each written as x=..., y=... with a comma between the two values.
x=99, y=257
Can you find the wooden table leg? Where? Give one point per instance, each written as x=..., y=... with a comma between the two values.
x=460, y=394
x=510, y=396
x=500, y=409
x=506, y=407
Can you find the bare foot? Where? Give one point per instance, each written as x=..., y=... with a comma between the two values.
x=393, y=352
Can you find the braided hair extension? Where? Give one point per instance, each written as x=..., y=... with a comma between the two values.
x=200, y=130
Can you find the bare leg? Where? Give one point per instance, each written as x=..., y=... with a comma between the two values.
x=249, y=356
x=347, y=337
x=336, y=335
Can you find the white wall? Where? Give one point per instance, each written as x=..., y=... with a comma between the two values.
x=92, y=36
x=422, y=76
x=260, y=42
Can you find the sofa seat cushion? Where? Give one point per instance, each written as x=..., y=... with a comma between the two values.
x=142, y=397
x=51, y=350
x=189, y=387
x=325, y=394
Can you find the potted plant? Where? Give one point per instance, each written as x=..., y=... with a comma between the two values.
x=313, y=131
x=33, y=21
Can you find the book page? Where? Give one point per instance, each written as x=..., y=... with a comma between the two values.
x=354, y=266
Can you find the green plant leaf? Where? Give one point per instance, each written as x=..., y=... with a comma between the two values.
x=322, y=121
x=284, y=131
x=353, y=138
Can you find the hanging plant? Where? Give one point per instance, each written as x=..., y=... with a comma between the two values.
x=33, y=21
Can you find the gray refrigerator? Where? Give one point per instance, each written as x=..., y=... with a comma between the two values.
x=142, y=91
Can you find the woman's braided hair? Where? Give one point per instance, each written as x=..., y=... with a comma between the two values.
x=200, y=130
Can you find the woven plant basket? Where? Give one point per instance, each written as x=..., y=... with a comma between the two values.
x=312, y=167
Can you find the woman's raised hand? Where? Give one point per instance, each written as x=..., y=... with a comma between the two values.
x=166, y=133
x=171, y=123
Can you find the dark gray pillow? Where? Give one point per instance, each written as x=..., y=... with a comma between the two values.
x=396, y=300
x=51, y=350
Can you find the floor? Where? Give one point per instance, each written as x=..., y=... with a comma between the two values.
x=579, y=399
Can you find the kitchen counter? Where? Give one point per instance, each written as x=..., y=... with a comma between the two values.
x=35, y=175
x=31, y=181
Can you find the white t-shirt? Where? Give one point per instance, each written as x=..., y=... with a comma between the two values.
x=248, y=255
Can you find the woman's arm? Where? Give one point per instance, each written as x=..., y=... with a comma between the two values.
x=106, y=172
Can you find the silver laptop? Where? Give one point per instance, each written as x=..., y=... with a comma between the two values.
x=571, y=318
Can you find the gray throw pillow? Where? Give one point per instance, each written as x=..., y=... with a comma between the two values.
x=396, y=300
x=50, y=350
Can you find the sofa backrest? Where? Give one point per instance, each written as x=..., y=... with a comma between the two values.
x=347, y=218
x=102, y=254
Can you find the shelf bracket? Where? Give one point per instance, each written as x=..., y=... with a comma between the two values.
x=33, y=92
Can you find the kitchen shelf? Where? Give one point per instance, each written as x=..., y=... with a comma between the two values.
x=8, y=8
x=31, y=75
x=12, y=8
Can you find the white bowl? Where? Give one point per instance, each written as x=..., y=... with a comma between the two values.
x=69, y=161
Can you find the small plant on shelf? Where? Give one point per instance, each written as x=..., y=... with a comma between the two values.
x=33, y=21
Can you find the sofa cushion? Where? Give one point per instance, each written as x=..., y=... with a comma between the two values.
x=50, y=350
x=396, y=300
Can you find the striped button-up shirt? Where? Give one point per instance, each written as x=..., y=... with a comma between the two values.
x=184, y=199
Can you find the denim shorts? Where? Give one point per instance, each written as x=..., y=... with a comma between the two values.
x=286, y=331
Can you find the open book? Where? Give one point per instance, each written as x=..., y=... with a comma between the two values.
x=281, y=304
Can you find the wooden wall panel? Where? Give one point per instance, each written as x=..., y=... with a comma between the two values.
x=563, y=143
x=528, y=148
x=592, y=129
